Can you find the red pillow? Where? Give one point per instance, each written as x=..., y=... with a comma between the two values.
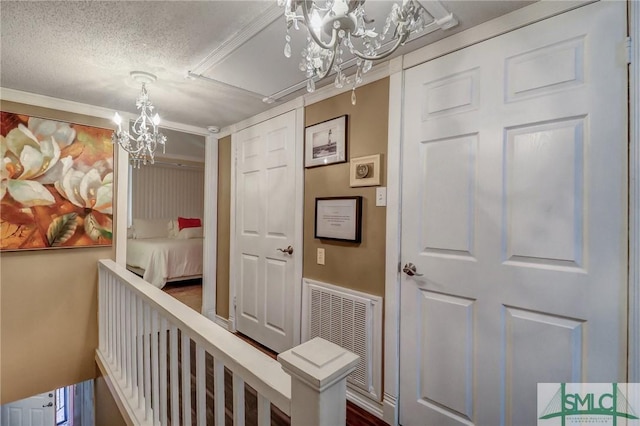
x=187, y=222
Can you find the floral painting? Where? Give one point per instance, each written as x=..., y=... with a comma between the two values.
x=56, y=184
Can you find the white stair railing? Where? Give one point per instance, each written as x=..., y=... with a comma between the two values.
x=148, y=340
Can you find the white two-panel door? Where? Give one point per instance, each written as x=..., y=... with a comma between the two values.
x=514, y=210
x=265, y=225
x=38, y=410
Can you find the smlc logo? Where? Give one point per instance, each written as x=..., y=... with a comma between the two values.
x=588, y=403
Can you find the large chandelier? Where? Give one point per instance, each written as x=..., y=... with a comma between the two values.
x=144, y=138
x=334, y=26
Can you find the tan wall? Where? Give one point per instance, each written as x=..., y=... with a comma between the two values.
x=107, y=412
x=355, y=266
x=48, y=306
x=224, y=221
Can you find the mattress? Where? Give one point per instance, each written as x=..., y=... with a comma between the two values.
x=165, y=259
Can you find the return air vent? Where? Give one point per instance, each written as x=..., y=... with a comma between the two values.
x=352, y=320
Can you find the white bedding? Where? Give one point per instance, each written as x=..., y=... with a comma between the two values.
x=165, y=258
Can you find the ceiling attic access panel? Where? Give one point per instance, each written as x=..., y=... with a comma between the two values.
x=263, y=47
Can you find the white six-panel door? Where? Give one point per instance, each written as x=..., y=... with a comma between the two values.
x=38, y=410
x=265, y=223
x=514, y=209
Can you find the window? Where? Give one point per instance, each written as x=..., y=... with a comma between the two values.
x=62, y=397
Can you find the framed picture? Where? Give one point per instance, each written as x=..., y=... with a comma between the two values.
x=365, y=171
x=326, y=142
x=57, y=184
x=339, y=218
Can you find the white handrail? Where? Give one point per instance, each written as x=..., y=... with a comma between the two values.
x=258, y=370
x=138, y=342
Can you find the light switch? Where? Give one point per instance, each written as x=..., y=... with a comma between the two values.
x=320, y=256
x=381, y=196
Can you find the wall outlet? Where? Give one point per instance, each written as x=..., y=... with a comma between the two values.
x=320, y=257
x=381, y=196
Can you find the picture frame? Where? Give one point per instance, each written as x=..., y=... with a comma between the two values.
x=365, y=171
x=338, y=218
x=326, y=142
x=62, y=197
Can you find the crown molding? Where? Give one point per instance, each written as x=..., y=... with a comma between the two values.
x=186, y=128
x=43, y=101
x=263, y=116
x=226, y=131
x=376, y=73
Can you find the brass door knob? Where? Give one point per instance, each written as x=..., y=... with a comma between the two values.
x=288, y=250
x=410, y=269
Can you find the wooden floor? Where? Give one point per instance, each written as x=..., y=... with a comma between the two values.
x=190, y=293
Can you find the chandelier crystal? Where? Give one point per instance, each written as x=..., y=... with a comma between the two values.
x=336, y=26
x=144, y=138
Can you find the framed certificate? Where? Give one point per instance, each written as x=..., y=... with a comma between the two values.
x=339, y=218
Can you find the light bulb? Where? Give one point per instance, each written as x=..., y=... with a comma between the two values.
x=316, y=21
x=156, y=119
x=118, y=120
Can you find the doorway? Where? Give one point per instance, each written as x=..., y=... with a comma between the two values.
x=266, y=248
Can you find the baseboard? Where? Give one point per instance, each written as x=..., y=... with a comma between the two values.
x=222, y=322
x=372, y=407
x=390, y=409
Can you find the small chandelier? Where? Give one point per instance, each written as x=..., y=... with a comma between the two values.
x=141, y=144
x=334, y=25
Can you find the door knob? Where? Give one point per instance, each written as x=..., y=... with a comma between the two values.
x=48, y=405
x=288, y=250
x=410, y=269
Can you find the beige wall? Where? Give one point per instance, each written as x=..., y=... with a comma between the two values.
x=48, y=306
x=355, y=266
x=107, y=412
x=224, y=203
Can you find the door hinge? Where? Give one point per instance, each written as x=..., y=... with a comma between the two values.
x=234, y=303
x=627, y=47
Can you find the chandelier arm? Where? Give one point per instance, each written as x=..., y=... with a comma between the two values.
x=328, y=70
x=140, y=147
x=129, y=147
x=334, y=33
x=382, y=55
x=134, y=152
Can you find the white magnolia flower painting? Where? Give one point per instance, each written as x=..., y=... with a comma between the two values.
x=56, y=184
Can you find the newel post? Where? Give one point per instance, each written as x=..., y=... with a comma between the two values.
x=318, y=371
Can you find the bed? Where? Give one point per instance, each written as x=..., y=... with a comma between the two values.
x=164, y=256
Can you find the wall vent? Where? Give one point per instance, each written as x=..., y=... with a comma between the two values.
x=352, y=320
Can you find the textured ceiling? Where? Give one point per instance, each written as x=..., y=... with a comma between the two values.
x=84, y=51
